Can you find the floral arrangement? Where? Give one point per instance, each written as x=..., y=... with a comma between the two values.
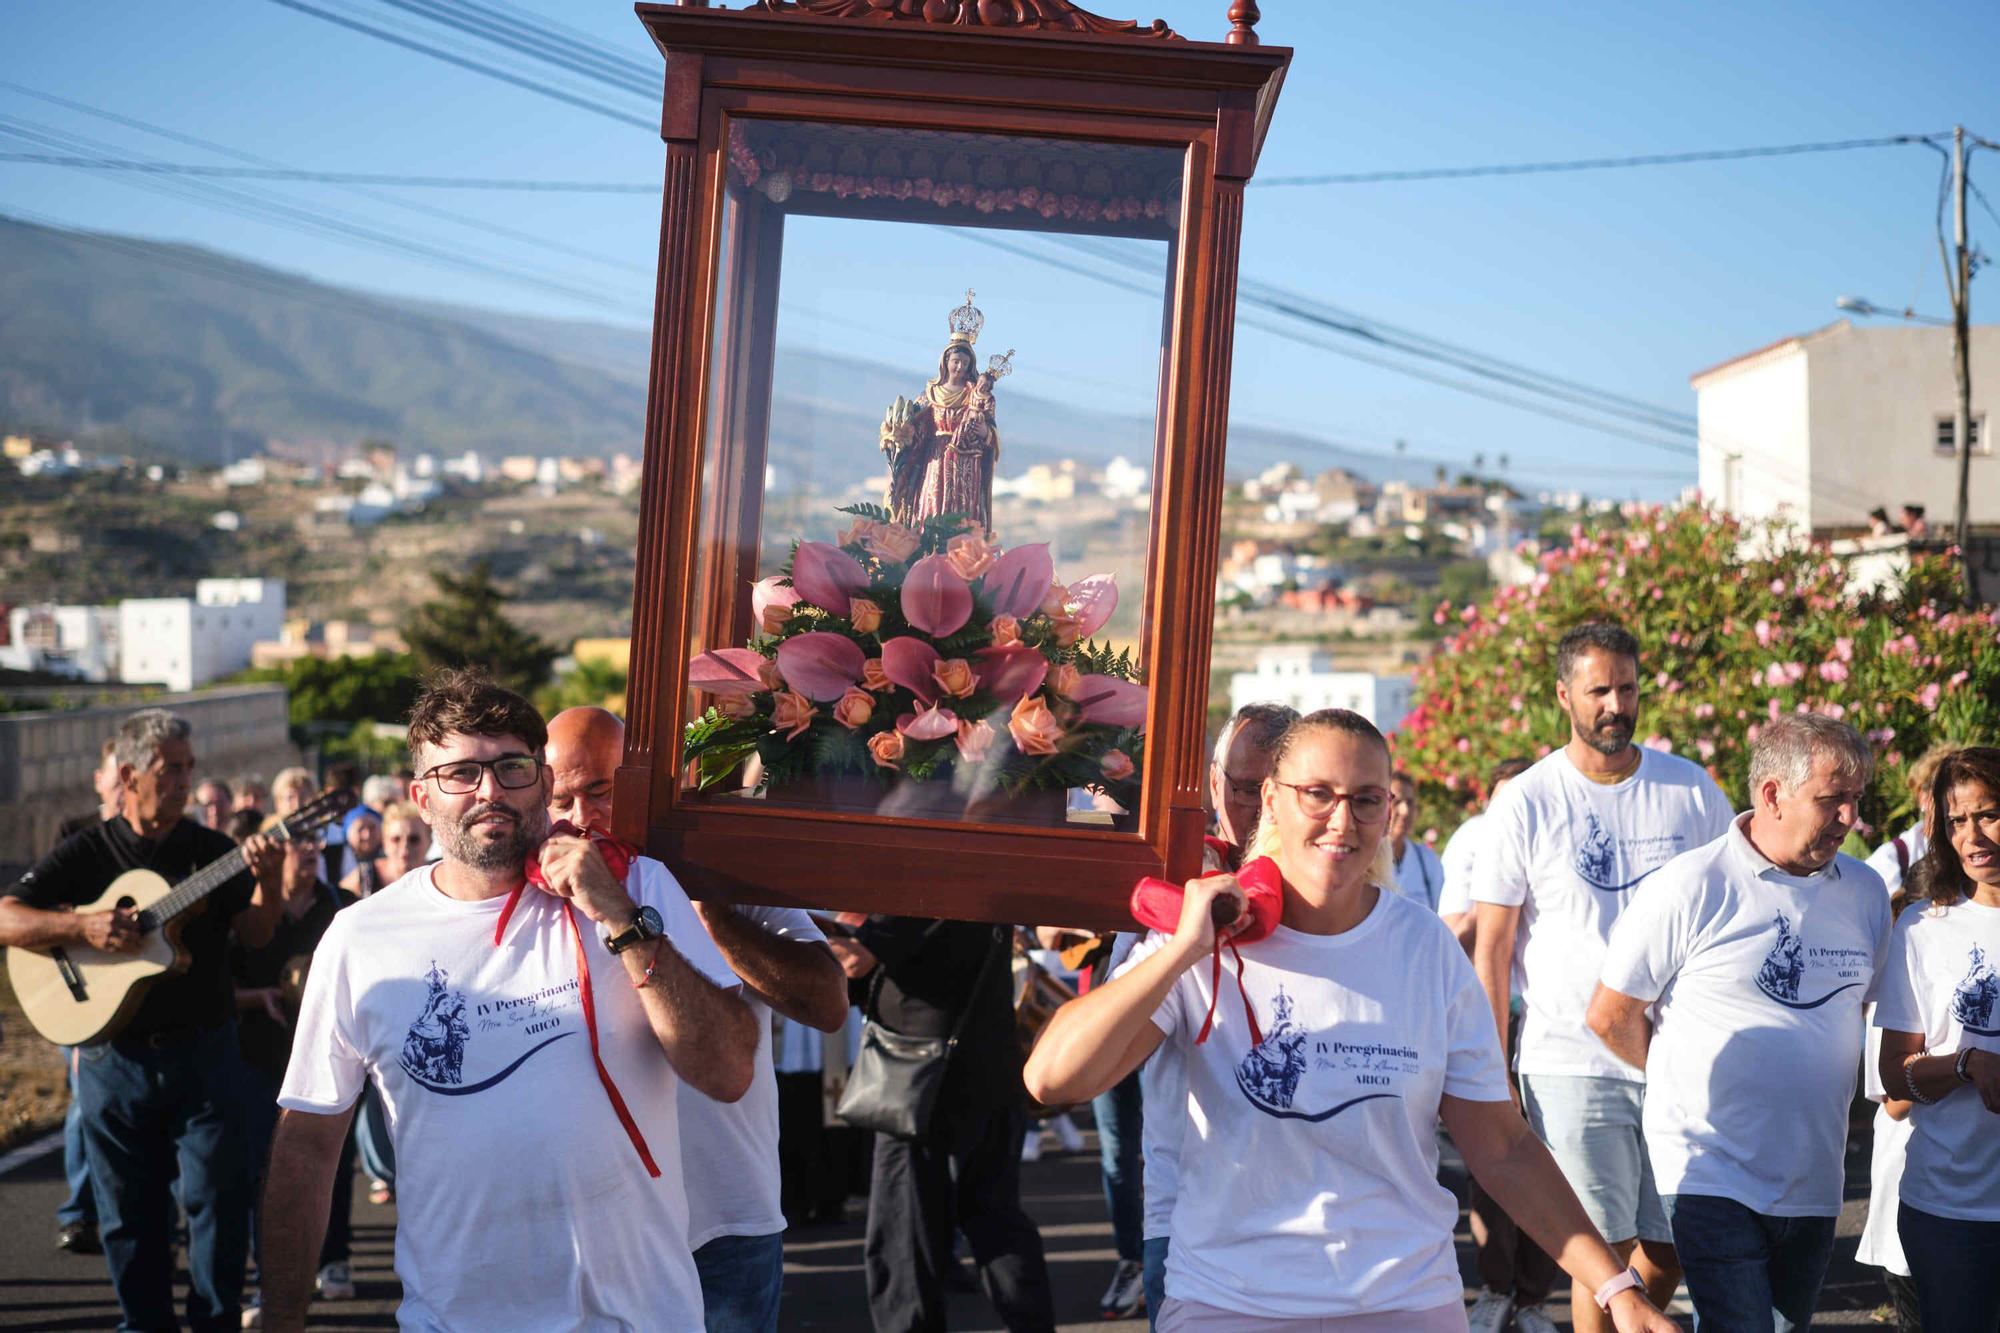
x=924, y=653
x=1737, y=625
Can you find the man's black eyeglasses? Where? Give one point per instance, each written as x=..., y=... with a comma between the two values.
x=462, y=777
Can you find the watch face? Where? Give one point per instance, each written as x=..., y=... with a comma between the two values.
x=650, y=924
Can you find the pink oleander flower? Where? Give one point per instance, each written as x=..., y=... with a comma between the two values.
x=1928, y=696
x=1833, y=671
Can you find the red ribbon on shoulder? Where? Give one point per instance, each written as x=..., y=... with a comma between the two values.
x=618, y=857
x=1157, y=903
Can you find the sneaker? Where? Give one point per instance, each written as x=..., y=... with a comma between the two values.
x=1126, y=1296
x=1067, y=1133
x=380, y=1192
x=79, y=1238
x=335, y=1283
x=1530, y=1319
x=1031, y=1146
x=253, y=1308
x=1489, y=1313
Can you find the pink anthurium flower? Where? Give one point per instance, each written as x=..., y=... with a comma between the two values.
x=1010, y=670
x=729, y=672
x=1114, y=702
x=935, y=599
x=821, y=665
x=1091, y=602
x=908, y=662
x=827, y=576
x=928, y=724
x=1019, y=580
x=767, y=596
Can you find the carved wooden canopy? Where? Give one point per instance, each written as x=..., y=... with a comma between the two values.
x=1033, y=15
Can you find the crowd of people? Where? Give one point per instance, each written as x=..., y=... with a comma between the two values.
x=1637, y=1014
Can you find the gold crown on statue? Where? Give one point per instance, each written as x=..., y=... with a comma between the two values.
x=966, y=322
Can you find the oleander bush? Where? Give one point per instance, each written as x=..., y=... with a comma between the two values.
x=1736, y=626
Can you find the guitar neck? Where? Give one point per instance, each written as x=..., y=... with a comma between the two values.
x=195, y=888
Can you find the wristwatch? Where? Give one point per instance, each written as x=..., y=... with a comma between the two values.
x=645, y=926
x=1625, y=1281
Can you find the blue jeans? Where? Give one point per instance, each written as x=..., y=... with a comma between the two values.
x=1956, y=1266
x=144, y=1110
x=79, y=1206
x=371, y=1137
x=1120, y=1125
x=1155, y=1262
x=740, y=1277
x=1748, y=1270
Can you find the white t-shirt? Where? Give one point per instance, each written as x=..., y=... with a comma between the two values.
x=1885, y=862
x=1308, y=1165
x=1943, y=981
x=1460, y=860
x=1760, y=977
x=1569, y=852
x=1420, y=875
x=1881, y=1244
x=522, y=1204
x=729, y=1150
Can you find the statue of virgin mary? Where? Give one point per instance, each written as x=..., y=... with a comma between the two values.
x=942, y=445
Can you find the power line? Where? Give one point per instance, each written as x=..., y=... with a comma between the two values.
x=462, y=62
x=1592, y=163
x=530, y=39
x=335, y=177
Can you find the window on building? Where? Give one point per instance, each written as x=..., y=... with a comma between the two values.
x=1946, y=439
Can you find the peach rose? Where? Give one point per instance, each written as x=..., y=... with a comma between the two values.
x=887, y=747
x=873, y=677
x=771, y=677
x=775, y=616
x=892, y=542
x=1054, y=600
x=1068, y=629
x=792, y=713
x=858, y=532
x=854, y=709
x=1005, y=630
x=1034, y=728
x=975, y=739
x=1064, y=680
x=970, y=555
x=736, y=706
x=864, y=615
x=1117, y=765
x=954, y=676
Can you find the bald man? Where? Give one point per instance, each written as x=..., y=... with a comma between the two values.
x=729, y=1152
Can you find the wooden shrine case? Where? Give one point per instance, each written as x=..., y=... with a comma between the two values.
x=926, y=574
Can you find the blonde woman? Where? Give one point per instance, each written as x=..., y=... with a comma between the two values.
x=1309, y=1195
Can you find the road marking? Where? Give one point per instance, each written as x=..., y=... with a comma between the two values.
x=41, y=1147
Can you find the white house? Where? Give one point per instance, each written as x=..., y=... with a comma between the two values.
x=80, y=642
x=183, y=642
x=1307, y=679
x=1822, y=427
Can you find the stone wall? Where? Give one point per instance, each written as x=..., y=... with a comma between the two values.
x=46, y=759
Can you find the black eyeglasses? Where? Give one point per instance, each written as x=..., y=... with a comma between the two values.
x=463, y=776
x=1317, y=801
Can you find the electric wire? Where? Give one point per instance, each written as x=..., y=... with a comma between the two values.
x=336, y=177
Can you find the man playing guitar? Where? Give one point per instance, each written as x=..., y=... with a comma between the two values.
x=168, y=1085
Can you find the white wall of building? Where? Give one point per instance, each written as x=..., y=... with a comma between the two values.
x=182, y=642
x=1307, y=680
x=1823, y=427
x=76, y=641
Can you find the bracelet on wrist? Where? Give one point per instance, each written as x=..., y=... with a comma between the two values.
x=646, y=977
x=1962, y=1067
x=1625, y=1281
x=1910, y=1080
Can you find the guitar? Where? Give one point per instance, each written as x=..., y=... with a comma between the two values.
x=79, y=996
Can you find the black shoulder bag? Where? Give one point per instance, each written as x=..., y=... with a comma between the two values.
x=893, y=1085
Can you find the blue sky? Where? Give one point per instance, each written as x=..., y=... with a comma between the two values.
x=1627, y=280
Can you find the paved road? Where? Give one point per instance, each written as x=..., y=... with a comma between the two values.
x=43, y=1288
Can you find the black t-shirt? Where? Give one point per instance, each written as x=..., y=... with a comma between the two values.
x=267, y=1046
x=930, y=970
x=82, y=867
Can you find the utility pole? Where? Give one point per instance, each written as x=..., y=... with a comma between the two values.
x=1961, y=337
